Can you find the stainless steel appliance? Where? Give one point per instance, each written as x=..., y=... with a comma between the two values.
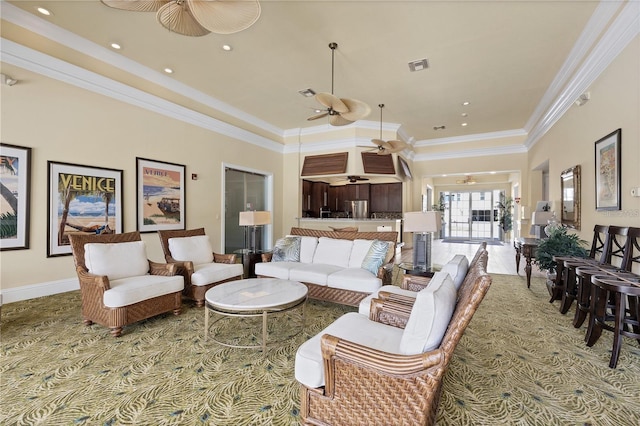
x=325, y=212
x=360, y=209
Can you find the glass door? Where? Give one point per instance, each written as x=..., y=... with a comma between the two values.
x=243, y=191
x=471, y=215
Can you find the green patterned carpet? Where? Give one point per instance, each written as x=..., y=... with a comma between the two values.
x=520, y=362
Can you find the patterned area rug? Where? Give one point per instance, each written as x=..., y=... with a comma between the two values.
x=519, y=362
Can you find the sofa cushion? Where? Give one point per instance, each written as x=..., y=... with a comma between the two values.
x=313, y=273
x=359, y=252
x=332, y=251
x=429, y=316
x=375, y=256
x=355, y=279
x=116, y=260
x=207, y=273
x=275, y=269
x=127, y=291
x=196, y=249
x=307, y=248
x=365, y=304
x=287, y=249
x=309, y=368
x=457, y=268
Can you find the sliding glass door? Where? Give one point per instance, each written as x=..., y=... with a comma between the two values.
x=471, y=215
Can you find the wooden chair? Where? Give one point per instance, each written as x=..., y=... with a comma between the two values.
x=110, y=295
x=631, y=259
x=197, y=263
x=615, y=307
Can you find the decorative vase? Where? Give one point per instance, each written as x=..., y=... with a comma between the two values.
x=551, y=224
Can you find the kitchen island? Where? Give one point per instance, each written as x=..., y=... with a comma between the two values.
x=363, y=225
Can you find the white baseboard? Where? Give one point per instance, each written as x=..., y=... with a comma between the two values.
x=38, y=290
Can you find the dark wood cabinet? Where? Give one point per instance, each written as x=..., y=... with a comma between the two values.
x=385, y=197
x=306, y=198
x=315, y=195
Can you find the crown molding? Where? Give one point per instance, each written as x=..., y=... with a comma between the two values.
x=618, y=35
x=66, y=38
x=471, y=138
x=480, y=152
x=32, y=60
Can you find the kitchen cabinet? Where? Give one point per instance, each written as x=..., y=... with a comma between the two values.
x=314, y=196
x=385, y=197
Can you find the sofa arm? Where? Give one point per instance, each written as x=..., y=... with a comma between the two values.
x=396, y=298
x=390, y=313
x=385, y=273
x=166, y=269
x=373, y=363
x=99, y=282
x=224, y=258
x=415, y=283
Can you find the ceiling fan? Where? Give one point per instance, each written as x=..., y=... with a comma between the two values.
x=341, y=111
x=196, y=17
x=354, y=179
x=468, y=180
x=387, y=147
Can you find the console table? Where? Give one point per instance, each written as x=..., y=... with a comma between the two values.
x=525, y=247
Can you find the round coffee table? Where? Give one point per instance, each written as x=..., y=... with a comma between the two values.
x=254, y=297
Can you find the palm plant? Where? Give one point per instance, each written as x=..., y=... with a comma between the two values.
x=559, y=243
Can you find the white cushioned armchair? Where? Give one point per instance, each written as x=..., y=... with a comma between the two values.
x=190, y=250
x=118, y=284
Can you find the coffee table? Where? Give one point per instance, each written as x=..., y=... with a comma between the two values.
x=254, y=297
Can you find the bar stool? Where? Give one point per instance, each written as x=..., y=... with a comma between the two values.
x=615, y=306
x=583, y=293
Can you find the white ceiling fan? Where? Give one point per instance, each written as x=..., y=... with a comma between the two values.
x=341, y=111
x=387, y=147
x=196, y=17
x=468, y=180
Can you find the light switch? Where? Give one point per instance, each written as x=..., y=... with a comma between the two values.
x=635, y=192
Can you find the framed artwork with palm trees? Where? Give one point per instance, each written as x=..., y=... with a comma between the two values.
x=82, y=199
x=15, y=191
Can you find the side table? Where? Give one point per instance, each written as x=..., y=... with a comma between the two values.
x=525, y=247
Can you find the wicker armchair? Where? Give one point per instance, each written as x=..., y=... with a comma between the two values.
x=199, y=276
x=115, y=302
x=366, y=386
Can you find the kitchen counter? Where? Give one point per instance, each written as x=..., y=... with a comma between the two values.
x=365, y=225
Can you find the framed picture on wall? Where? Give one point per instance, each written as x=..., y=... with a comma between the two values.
x=160, y=190
x=15, y=175
x=82, y=199
x=608, y=172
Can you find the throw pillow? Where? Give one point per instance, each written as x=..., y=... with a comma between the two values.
x=375, y=256
x=287, y=249
x=196, y=249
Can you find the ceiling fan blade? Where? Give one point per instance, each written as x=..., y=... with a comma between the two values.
x=317, y=116
x=397, y=146
x=136, y=5
x=338, y=120
x=357, y=109
x=225, y=17
x=177, y=17
x=331, y=101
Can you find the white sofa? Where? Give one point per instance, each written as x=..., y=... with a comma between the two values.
x=456, y=267
x=342, y=270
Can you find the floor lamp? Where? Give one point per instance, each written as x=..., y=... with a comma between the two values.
x=422, y=224
x=251, y=220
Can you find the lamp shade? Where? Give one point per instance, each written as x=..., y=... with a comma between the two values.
x=430, y=221
x=253, y=218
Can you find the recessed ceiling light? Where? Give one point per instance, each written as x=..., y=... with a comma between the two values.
x=464, y=124
x=493, y=173
x=168, y=70
x=465, y=103
x=444, y=175
x=227, y=47
x=44, y=11
x=464, y=114
x=116, y=46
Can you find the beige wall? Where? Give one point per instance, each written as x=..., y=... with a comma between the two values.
x=67, y=124
x=615, y=103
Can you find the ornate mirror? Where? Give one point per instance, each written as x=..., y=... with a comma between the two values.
x=570, y=187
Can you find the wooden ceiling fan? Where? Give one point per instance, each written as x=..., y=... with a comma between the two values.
x=387, y=147
x=468, y=180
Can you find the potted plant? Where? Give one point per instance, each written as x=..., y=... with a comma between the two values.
x=505, y=217
x=559, y=243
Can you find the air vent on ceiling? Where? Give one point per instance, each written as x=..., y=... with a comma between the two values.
x=419, y=65
x=307, y=93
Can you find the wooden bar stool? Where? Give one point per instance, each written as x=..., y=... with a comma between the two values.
x=584, y=274
x=615, y=306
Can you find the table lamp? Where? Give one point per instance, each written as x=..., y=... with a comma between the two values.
x=422, y=224
x=253, y=219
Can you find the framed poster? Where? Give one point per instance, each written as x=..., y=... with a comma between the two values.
x=608, y=173
x=15, y=174
x=161, y=203
x=82, y=199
